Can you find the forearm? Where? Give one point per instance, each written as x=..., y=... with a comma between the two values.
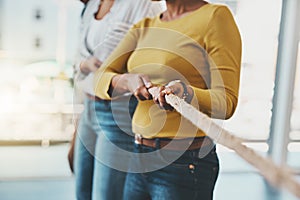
x=216, y=103
x=102, y=83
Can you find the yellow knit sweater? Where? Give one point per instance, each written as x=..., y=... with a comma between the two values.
x=203, y=49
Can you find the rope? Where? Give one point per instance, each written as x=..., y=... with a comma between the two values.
x=275, y=175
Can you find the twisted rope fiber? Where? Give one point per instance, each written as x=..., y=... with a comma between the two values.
x=275, y=175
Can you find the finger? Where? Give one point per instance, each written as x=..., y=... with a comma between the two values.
x=145, y=93
x=143, y=89
x=154, y=91
x=169, y=90
x=146, y=81
x=161, y=97
x=98, y=63
x=175, y=88
x=162, y=100
x=142, y=93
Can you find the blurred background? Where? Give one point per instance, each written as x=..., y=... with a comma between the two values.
x=38, y=45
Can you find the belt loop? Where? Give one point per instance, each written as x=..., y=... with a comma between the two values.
x=141, y=138
x=138, y=140
x=157, y=143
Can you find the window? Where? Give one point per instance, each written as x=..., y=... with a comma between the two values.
x=259, y=33
x=259, y=23
x=36, y=90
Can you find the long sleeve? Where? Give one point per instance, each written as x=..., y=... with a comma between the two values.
x=135, y=11
x=223, y=45
x=83, y=53
x=117, y=58
x=115, y=64
x=103, y=36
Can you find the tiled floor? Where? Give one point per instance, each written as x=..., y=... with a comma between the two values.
x=44, y=189
x=242, y=186
x=34, y=173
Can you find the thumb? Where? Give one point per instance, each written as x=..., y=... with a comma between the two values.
x=146, y=81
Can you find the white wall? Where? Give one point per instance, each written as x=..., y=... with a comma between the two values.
x=20, y=28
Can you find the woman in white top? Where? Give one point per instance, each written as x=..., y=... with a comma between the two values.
x=105, y=126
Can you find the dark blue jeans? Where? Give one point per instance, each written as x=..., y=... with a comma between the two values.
x=187, y=178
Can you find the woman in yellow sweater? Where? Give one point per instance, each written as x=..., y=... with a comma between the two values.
x=193, y=50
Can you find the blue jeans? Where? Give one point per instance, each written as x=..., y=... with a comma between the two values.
x=104, y=128
x=84, y=151
x=188, y=177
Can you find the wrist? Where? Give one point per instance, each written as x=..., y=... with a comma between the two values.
x=190, y=95
x=187, y=92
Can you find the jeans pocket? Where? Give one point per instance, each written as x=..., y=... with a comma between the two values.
x=208, y=169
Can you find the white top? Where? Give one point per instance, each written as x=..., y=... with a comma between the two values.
x=100, y=37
